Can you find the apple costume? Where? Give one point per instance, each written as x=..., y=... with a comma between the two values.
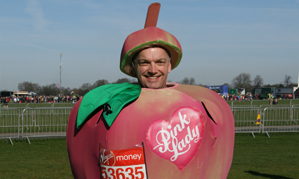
x=124, y=131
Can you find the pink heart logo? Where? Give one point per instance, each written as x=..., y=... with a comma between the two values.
x=179, y=139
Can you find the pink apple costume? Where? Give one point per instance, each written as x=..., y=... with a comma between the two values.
x=182, y=131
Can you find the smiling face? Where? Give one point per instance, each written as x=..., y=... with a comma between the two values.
x=151, y=67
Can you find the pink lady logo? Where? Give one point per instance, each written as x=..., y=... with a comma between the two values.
x=179, y=139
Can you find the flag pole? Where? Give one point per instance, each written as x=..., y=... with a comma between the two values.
x=60, y=75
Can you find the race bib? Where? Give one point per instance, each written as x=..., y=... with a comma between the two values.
x=122, y=164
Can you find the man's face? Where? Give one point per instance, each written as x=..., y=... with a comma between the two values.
x=151, y=67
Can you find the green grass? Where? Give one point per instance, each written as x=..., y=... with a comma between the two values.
x=261, y=157
x=43, y=158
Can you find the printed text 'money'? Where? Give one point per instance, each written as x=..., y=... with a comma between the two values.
x=128, y=157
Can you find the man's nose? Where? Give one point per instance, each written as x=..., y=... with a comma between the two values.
x=153, y=68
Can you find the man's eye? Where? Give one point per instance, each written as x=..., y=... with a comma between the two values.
x=160, y=62
x=143, y=63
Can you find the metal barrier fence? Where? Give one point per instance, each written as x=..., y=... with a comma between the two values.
x=10, y=123
x=263, y=102
x=246, y=119
x=280, y=119
x=243, y=106
x=33, y=122
x=267, y=119
x=52, y=121
x=274, y=105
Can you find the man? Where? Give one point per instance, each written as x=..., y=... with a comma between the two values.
x=151, y=53
x=184, y=131
x=151, y=67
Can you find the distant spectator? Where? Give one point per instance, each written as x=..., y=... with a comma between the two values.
x=6, y=100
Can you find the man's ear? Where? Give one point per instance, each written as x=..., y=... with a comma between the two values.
x=169, y=67
x=133, y=70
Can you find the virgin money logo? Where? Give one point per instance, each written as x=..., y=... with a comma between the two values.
x=123, y=157
x=179, y=139
x=107, y=157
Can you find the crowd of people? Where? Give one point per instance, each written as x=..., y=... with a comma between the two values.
x=74, y=99
x=239, y=97
x=40, y=99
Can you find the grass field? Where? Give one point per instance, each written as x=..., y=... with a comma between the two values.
x=43, y=158
x=261, y=157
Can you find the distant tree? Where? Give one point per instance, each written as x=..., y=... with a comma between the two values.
x=49, y=90
x=188, y=81
x=267, y=85
x=100, y=83
x=66, y=91
x=201, y=85
x=85, y=88
x=274, y=85
x=29, y=86
x=278, y=85
x=287, y=80
x=293, y=84
x=123, y=80
x=258, y=81
x=243, y=80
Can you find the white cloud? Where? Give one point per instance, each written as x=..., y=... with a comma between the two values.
x=35, y=10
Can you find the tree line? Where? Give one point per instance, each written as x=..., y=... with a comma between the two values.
x=243, y=80
x=53, y=89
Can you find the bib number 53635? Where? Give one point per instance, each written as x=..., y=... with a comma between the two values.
x=123, y=172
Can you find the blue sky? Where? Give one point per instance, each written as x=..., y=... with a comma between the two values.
x=220, y=39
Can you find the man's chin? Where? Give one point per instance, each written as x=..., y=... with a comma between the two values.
x=154, y=85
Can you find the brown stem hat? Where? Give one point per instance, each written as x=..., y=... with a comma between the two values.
x=150, y=36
